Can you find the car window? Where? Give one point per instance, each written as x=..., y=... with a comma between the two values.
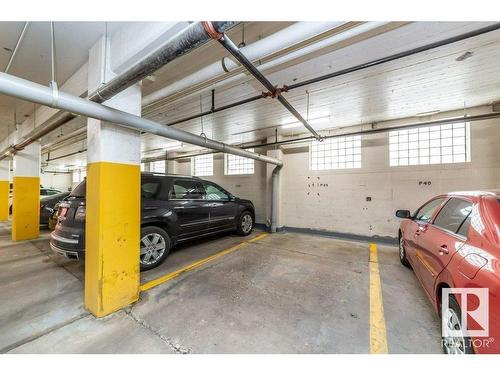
x=425, y=212
x=187, y=189
x=150, y=189
x=214, y=193
x=43, y=192
x=453, y=215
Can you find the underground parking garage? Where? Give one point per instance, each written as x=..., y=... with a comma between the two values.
x=249, y=187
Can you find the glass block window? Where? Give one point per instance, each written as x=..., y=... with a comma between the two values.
x=439, y=144
x=335, y=153
x=202, y=165
x=234, y=164
x=157, y=166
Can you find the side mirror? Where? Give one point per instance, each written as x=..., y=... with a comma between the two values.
x=403, y=214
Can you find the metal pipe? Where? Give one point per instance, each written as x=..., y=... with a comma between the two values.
x=178, y=45
x=351, y=69
x=235, y=51
x=53, y=52
x=183, y=42
x=275, y=197
x=263, y=48
x=60, y=142
x=471, y=119
x=14, y=52
x=34, y=92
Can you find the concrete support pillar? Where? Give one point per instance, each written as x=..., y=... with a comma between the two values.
x=171, y=166
x=4, y=189
x=112, y=203
x=26, y=193
x=275, y=152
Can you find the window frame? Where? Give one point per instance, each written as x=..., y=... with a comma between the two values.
x=151, y=166
x=422, y=137
x=226, y=164
x=193, y=165
x=335, y=158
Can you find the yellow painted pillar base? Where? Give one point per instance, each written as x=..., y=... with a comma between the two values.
x=4, y=200
x=26, y=208
x=112, y=236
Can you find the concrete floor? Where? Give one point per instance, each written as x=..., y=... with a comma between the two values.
x=286, y=293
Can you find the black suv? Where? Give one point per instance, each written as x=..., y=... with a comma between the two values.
x=174, y=209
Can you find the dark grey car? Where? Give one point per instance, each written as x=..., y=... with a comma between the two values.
x=47, y=205
x=174, y=209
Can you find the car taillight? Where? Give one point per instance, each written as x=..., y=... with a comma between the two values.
x=41, y=205
x=80, y=213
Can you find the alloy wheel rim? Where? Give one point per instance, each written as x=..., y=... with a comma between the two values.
x=246, y=223
x=152, y=248
x=452, y=344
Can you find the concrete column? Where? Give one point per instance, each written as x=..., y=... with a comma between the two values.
x=4, y=189
x=112, y=203
x=26, y=193
x=171, y=166
x=275, y=153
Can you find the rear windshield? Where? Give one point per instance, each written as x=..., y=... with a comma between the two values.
x=79, y=190
x=149, y=188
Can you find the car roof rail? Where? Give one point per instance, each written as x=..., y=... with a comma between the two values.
x=169, y=175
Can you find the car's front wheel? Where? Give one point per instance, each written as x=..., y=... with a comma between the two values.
x=457, y=342
x=402, y=253
x=245, y=224
x=155, y=246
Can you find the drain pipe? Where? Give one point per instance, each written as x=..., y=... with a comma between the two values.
x=183, y=42
x=275, y=197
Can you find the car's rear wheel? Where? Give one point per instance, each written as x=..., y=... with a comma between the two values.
x=402, y=253
x=459, y=342
x=155, y=246
x=245, y=224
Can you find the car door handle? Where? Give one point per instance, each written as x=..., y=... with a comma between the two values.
x=443, y=249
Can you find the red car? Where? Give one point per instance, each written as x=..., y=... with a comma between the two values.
x=453, y=241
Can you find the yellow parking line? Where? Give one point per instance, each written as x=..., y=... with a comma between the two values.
x=197, y=264
x=378, y=334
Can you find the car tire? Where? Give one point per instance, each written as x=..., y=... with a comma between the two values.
x=245, y=224
x=155, y=245
x=402, y=252
x=455, y=345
